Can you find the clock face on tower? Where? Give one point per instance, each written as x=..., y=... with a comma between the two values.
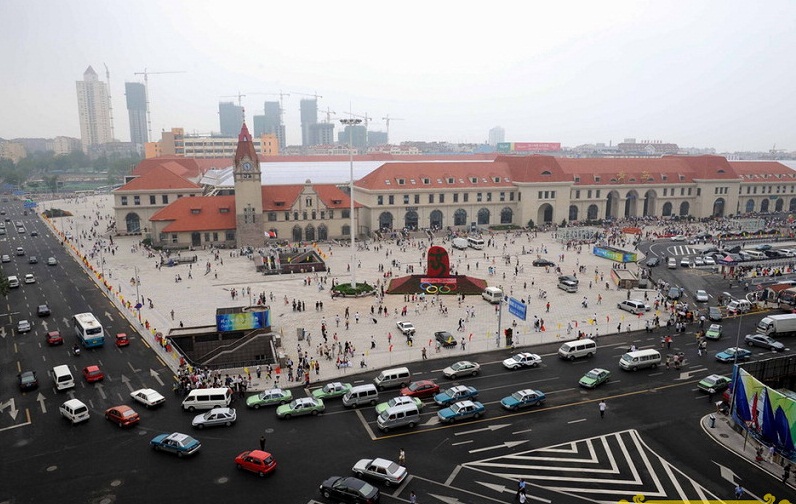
x=247, y=166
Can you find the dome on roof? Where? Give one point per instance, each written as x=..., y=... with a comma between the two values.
x=308, y=181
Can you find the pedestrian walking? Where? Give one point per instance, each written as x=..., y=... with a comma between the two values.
x=602, y=407
x=412, y=497
x=739, y=491
x=259, y=372
x=521, y=488
x=262, y=443
x=423, y=353
x=786, y=472
x=402, y=457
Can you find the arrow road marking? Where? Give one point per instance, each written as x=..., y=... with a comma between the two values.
x=44, y=325
x=131, y=367
x=432, y=421
x=108, y=316
x=687, y=375
x=154, y=374
x=489, y=428
x=126, y=381
x=507, y=444
x=101, y=389
x=13, y=411
x=40, y=400
x=3, y=332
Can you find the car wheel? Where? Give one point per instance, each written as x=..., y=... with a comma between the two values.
x=191, y=409
x=256, y=406
x=286, y=417
x=411, y=425
x=515, y=408
x=327, y=494
x=750, y=344
x=200, y=426
x=453, y=377
x=121, y=424
x=477, y=416
x=475, y=373
x=179, y=454
x=238, y=466
x=387, y=483
x=360, y=475
x=228, y=424
x=261, y=474
x=314, y=412
x=373, y=402
x=590, y=355
x=354, y=405
x=634, y=368
x=571, y=358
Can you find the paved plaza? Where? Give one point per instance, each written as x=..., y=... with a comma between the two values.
x=209, y=283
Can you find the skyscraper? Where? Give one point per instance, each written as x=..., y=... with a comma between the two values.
x=309, y=116
x=230, y=118
x=271, y=122
x=136, y=110
x=497, y=135
x=93, y=110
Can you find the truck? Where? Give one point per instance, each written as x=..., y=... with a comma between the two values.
x=460, y=243
x=778, y=325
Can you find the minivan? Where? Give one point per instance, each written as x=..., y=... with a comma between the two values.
x=63, y=378
x=739, y=306
x=634, y=306
x=568, y=286
x=398, y=416
x=493, y=295
x=633, y=361
x=208, y=398
x=752, y=254
x=13, y=281
x=74, y=410
x=579, y=348
x=395, y=377
x=361, y=394
x=671, y=263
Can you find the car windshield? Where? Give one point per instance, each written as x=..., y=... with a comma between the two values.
x=518, y=396
x=592, y=374
x=459, y=365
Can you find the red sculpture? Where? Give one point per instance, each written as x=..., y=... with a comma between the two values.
x=438, y=262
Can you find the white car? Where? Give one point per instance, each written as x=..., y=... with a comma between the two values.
x=698, y=261
x=216, y=416
x=685, y=262
x=701, y=296
x=23, y=326
x=524, y=359
x=6, y=258
x=29, y=278
x=148, y=397
x=386, y=471
x=406, y=328
x=709, y=261
x=678, y=238
x=52, y=261
x=461, y=368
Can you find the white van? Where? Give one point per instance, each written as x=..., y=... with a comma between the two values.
x=208, y=398
x=476, y=243
x=752, y=254
x=361, y=394
x=568, y=286
x=633, y=361
x=63, y=377
x=738, y=306
x=13, y=281
x=398, y=416
x=395, y=377
x=460, y=243
x=74, y=410
x=672, y=263
x=579, y=348
x=493, y=295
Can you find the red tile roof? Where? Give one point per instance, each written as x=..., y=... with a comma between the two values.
x=158, y=178
x=487, y=174
x=201, y=213
x=762, y=169
x=329, y=194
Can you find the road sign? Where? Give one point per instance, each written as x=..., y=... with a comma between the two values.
x=517, y=308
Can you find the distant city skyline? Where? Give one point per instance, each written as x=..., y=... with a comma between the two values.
x=698, y=74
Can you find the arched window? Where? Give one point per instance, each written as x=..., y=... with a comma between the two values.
x=133, y=223
x=346, y=231
x=764, y=205
x=460, y=217
x=483, y=217
x=309, y=232
x=667, y=209
x=750, y=205
x=435, y=219
x=685, y=208
x=385, y=220
x=323, y=233
x=591, y=214
x=573, y=213
x=296, y=234
x=506, y=215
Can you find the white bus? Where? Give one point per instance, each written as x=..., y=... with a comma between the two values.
x=88, y=330
x=476, y=243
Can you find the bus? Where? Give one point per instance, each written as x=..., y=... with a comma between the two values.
x=476, y=243
x=88, y=330
x=787, y=300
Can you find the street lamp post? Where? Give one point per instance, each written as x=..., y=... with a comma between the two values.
x=350, y=123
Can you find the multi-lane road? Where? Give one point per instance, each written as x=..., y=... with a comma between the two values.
x=648, y=443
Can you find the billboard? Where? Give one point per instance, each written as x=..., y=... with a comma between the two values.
x=243, y=321
x=506, y=147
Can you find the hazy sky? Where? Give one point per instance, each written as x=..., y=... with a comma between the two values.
x=697, y=73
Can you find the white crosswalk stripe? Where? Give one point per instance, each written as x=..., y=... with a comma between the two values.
x=681, y=250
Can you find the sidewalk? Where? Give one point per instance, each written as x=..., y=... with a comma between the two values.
x=744, y=446
x=209, y=284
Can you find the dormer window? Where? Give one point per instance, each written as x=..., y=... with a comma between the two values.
x=336, y=201
x=496, y=180
x=426, y=180
x=577, y=179
x=279, y=203
x=387, y=182
x=223, y=210
x=546, y=173
x=401, y=181
x=451, y=180
x=473, y=180
x=720, y=171
x=596, y=178
x=412, y=181
x=196, y=211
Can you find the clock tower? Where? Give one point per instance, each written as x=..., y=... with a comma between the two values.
x=248, y=193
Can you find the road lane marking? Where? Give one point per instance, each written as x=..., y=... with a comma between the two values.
x=576, y=421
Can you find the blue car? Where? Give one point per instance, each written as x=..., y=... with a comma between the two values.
x=732, y=354
x=176, y=443
x=522, y=399
x=453, y=394
x=461, y=410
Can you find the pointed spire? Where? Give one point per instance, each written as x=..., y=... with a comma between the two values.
x=244, y=135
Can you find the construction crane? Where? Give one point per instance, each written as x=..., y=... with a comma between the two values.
x=110, y=102
x=316, y=95
x=146, y=75
x=238, y=96
x=329, y=114
x=281, y=96
x=387, y=120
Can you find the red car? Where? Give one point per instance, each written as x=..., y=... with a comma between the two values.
x=93, y=374
x=256, y=461
x=54, y=338
x=421, y=389
x=123, y=416
x=121, y=340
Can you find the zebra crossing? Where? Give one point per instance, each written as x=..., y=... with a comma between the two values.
x=601, y=469
x=682, y=250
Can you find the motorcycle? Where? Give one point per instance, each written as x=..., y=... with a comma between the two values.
x=76, y=350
